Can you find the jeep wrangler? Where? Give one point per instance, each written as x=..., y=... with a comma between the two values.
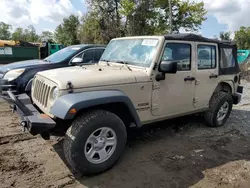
x=138, y=80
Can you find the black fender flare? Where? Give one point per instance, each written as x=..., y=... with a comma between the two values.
x=28, y=86
x=84, y=100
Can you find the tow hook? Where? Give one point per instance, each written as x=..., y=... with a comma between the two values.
x=24, y=126
x=45, y=135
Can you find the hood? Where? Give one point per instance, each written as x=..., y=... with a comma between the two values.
x=21, y=64
x=91, y=76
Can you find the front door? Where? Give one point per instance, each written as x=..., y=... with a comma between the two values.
x=175, y=94
x=206, y=73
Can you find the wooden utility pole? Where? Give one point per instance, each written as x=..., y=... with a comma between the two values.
x=170, y=15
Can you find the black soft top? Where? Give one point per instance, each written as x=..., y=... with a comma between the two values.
x=227, y=51
x=197, y=38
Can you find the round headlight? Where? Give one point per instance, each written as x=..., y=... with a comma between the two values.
x=55, y=93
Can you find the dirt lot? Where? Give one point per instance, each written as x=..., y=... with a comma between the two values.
x=177, y=153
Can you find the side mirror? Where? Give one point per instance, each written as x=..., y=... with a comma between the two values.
x=168, y=67
x=76, y=60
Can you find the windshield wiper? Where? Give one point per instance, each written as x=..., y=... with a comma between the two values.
x=125, y=64
x=46, y=60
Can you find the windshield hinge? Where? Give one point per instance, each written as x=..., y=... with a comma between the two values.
x=155, y=66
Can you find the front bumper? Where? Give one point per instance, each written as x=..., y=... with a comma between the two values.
x=6, y=86
x=31, y=119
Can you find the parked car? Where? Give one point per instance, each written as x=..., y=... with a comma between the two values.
x=137, y=82
x=18, y=76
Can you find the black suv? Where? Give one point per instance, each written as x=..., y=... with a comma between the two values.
x=18, y=76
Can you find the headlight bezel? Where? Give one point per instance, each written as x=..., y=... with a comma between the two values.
x=13, y=74
x=54, y=94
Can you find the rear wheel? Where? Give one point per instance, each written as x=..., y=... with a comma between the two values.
x=220, y=107
x=95, y=142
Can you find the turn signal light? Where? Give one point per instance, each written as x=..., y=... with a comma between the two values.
x=44, y=116
x=72, y=111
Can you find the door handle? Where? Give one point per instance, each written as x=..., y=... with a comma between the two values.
x=213, y=76
x=189, y=78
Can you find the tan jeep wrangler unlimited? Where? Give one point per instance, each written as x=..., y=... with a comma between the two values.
x=138, y=80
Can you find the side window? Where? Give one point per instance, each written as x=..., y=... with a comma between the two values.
x=79, y=55
x=180, y=53
x=98, y=54
x=206, y=57
x=88, y=56
x=53, y=47
x=227, y=58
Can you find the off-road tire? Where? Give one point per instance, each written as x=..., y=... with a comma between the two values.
x=217, y=100
x=77, y=135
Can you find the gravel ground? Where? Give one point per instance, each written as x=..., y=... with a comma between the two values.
x=178, y=153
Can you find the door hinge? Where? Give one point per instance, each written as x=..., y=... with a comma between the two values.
x=197, y=82
x=195, y=100
x=155, y=86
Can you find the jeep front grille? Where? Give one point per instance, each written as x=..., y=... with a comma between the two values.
x=41, y=92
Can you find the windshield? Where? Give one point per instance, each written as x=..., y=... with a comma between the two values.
x=138, y=52
x=62, y=54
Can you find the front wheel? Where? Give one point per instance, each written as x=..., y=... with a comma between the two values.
x=95, y=142
x=220, y=107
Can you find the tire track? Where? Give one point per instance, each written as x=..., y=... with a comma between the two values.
x=16, y=138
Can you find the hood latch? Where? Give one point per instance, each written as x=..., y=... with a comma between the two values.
x=69, y=87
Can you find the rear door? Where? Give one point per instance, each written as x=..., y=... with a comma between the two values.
x=206, y=73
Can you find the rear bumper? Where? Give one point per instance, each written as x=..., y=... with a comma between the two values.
x=31, y=119
x=238, y=95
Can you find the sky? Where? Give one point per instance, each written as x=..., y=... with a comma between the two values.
x=223, y=15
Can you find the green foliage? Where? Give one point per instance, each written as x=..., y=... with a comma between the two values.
x=144, y=20
x=28, y=35
x=225, y=35
x=89, y=32
x=66, y=33
x=242, y=38
x=185, y=14
x=5, y=33
x=46, y=36
x=117, y=18
x=108, y=19
x=127, y=7
x=31, y=34
x=18, y=34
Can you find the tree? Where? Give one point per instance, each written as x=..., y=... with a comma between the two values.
x=5, y=33
x=67, y=32
x=143, y=20
x=89, y=31
x=242, y=38
x=185, y=14
x=46, y=36
x=31, y=34
x=127, y=10
x=18, y=34
x=225, y=35
x=145, y=17
x=108, y=16
x=28, y=35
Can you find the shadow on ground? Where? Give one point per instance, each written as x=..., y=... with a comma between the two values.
x=174, y=153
